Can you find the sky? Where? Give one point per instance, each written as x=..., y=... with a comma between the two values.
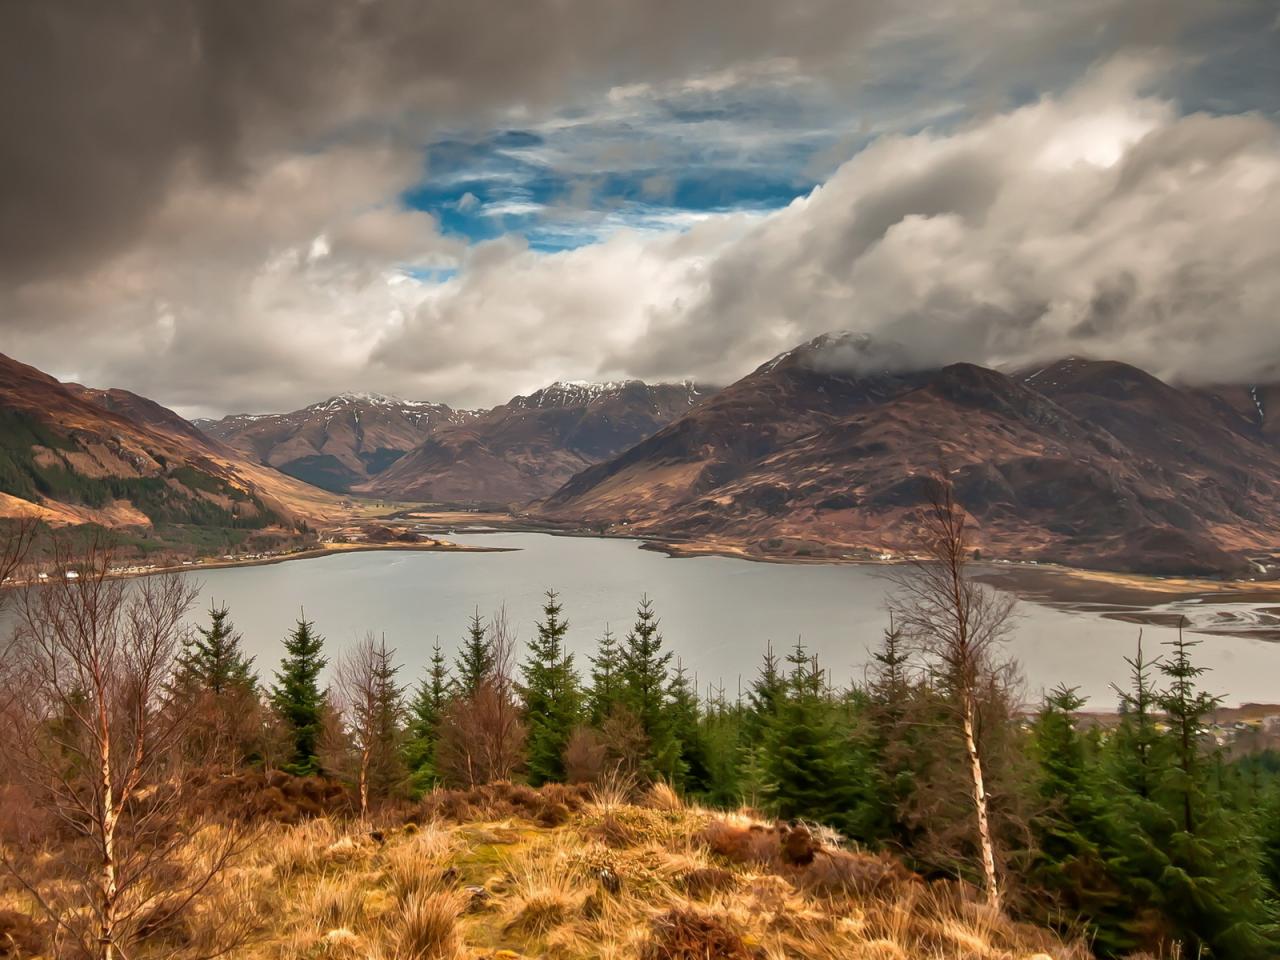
x=249, y=207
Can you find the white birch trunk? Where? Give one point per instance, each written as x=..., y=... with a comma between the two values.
x=107, y=922
x=980, y=807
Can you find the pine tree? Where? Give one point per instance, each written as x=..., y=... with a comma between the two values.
x=644, y=693
x=1071, y=865
x=767, y=691
x=213, y=660
x=692, y=771
x=890, y=685
x=805, y=760
x=297, y=697
x=722, y=733
x=1182, y=854
x=474, y=664
x=430, y=698
x=552, y=695
x=764, y=696
x=891, y=739
x=1137, y=737
x=606, y=678
x=1186, y=707
x=214, y=686
x=1215, y=890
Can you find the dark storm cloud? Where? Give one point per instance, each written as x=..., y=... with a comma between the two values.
x=101, y=101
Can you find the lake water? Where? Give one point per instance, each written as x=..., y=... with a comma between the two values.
x=717, y=613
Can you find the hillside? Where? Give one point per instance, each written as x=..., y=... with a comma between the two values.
x=338, y=442
x=821, y=451
x=528, y=447
x=74, y=455
x=509, y=872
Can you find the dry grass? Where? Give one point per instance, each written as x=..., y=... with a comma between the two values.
x=426, y=927
x=647, y=880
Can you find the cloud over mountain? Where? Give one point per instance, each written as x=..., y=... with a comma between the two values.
x=1098, y=222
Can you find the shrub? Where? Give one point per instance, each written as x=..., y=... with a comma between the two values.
x=685, y=934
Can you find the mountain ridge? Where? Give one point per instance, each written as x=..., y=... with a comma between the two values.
x=338, y=442
x=1087, y=463
x=527, y=447
x=70, y=454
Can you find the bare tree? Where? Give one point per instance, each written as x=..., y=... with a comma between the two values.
x=373, y=706
x=957, y=625
x=91, y=659
x=15, y=543
x=482, y=736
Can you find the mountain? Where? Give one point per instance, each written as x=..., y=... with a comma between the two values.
x=822, y=451
x=528, y=447
x=74, y=455
x=338, y=442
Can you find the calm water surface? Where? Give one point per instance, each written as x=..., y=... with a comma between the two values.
x=717, y=613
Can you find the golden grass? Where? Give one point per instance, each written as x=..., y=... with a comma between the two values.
x=618, y=881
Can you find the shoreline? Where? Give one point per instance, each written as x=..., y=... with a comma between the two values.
x=992, y=569
x=1149, y=584
x=311, y=553
x=1049, y=583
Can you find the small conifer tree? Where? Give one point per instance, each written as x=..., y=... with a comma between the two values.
x=645, y=667
x=693, y=770
x=213, y=659
x=475, y=660
x=606, y=678
x=552, y=695
x=297, y=696
x=426, y=708
x=805, y=760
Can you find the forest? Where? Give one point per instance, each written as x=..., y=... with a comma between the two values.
x=1141, y=835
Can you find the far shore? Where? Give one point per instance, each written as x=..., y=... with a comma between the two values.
x=1081, y=583
x=1048, y=582
x=311, y=553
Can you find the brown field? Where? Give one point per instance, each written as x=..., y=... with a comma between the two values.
x=509, y=872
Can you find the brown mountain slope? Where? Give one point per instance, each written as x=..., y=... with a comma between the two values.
x=70, y=454
x=1087, y=463
x=338, y=442
x=528, y=447
x=1259, y=404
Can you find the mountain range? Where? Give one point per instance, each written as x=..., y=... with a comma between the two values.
x=822, y=452
x=1089, y=463
x=531, y=445
x=338, y=442
x=414, y=450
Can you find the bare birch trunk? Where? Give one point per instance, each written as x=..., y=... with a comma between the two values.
x=364, y=784
x=980, y=807
x=107, y=920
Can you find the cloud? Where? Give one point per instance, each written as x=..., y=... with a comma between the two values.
x=204, y=201
x=1099, y=222
x=237, y=297
x=103, y=105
